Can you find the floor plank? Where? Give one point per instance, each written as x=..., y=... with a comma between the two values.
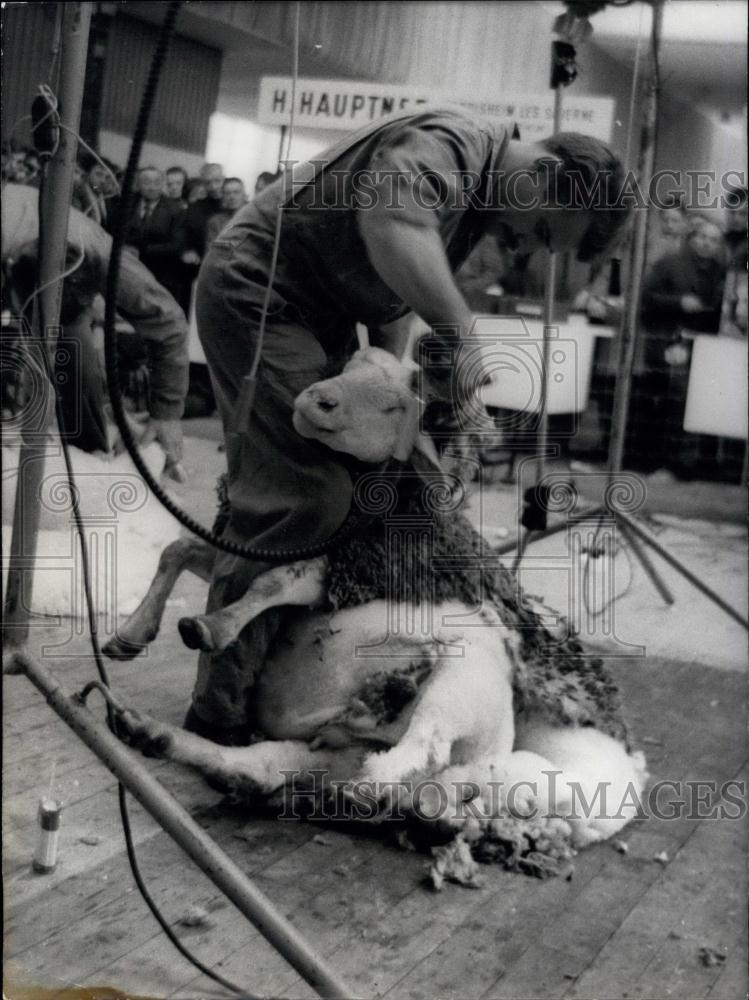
x=361, y=902
x=698, y=899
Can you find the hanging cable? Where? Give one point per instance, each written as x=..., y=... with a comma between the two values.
x=276, y=555
x=610, y=552
x=92, y=152
x=94, y=636
x=279, y=217
x=58, y=277
x=50, y=99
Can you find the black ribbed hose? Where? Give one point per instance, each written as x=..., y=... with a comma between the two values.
x=273, y=555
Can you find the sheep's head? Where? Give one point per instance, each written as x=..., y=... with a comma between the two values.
x=362, y=411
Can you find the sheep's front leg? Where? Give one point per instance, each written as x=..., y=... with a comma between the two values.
x=246, y=772
x=300, y=583
x=143, y=624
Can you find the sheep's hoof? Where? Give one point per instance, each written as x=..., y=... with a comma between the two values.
x=196, y=634
x=119, y=648
x=144, y=733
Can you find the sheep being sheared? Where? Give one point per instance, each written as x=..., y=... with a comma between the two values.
x=411, y=654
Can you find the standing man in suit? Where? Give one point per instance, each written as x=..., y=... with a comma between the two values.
x=156, y=232
x=232, y=199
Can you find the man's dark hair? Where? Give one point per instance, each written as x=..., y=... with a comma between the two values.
x=178, y=170
x=79, y=288
x=232, y=180
x=190, y=184
x=592, y=178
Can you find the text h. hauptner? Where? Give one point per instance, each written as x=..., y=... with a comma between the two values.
x=321, y=104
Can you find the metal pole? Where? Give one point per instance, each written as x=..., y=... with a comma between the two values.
x=281, y=142
x=196, y=843
x=631, y=317
x=637, y=529
x=58, y=188
x=645, y=561
x=548, y=320
x=633, y=530
x=58, y=184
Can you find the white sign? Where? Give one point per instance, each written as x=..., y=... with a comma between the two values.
x=717, y=398
x=348, y=104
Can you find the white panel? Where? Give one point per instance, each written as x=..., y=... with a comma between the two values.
x=349, y=104
x=717, y=395
x=513, y=352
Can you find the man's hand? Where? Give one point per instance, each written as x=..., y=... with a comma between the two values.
x=190, y=257
x=676, y=355
x=169, y=435
x=691, y=303
x=469, y=407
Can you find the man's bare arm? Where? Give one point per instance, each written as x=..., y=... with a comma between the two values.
x=412, y=261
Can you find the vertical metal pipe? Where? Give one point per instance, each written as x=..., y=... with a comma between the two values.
x=178, y=823
x=631, y=317
x=548, y=320
x=58, y=184
x=281, y=143
x=58, y=188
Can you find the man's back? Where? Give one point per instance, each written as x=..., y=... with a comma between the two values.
x=425, y=170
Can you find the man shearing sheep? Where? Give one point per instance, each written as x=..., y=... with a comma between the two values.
x=371, y=230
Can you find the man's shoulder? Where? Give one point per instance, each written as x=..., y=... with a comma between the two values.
x=451, y=117
x=453, y=126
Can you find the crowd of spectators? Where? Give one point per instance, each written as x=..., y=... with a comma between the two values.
x=174, y=216
x=689, y=258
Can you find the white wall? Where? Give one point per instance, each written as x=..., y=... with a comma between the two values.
x=246, y=149
x=729, y=149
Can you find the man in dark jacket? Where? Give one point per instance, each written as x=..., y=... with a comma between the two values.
x=371, y=229
x=682, y=291
x=156, y=231
x=140, y=299
x=685, y=289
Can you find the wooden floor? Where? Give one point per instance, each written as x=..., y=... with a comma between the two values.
x=624, y=926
